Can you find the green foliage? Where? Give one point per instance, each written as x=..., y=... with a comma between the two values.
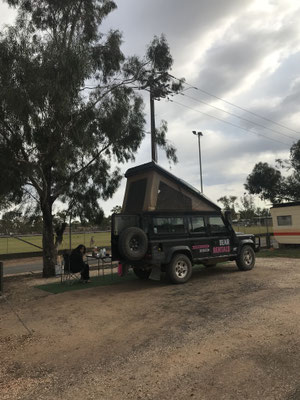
x=161, y=140
x=266, y=181
x=270, y=184
x=295, y=157
x=116, y=210
x=229, y=204
x=248, y=209
x=16, y=222
x=245, y=209
x=68, y=107
x=155, y=77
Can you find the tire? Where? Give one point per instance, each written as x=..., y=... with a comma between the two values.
x=142, y=274
x=179, y=270
x=246, y=258
x=133, y=244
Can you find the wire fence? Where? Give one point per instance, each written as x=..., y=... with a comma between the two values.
x=260, y=227
x=33, y=243
x=13, y=245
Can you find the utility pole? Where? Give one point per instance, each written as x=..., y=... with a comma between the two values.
x=199, y=134
x=153, y=139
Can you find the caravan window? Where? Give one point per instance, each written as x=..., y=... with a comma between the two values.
x=284, y=220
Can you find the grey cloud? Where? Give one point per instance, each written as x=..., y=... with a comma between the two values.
x=291, y=102
x=241, y=51
x=182, y=22
x=223, y=68
x=280, y=112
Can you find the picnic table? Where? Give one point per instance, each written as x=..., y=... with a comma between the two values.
x=104, y=261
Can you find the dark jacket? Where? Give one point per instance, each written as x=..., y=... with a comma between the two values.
x=76, y=261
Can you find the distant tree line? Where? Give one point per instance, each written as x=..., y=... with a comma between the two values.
x=16, y=223
x=244, y=208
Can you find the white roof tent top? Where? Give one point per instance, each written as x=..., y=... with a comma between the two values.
x=152, y=188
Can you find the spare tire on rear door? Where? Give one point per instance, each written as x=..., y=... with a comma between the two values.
x=133, y=244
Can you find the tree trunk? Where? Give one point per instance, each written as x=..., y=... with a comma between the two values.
x=48, y=242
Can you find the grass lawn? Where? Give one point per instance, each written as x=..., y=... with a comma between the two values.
x=256, y=230
x=288, y=253
x=11, y=245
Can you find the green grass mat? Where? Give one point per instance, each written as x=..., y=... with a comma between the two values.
x=110, y=279
x=58, y=287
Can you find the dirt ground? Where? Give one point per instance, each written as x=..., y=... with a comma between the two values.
x=224, y=335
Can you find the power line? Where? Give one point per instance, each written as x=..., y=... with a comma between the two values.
x=239, y=107
x=237, y=116
x=228, y=123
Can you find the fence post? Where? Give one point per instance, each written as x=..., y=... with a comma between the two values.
x=1, y=278
x=268, y=241
x=268, y=238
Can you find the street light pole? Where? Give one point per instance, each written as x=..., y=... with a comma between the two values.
x=200, y=163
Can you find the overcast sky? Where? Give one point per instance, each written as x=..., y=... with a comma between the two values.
x=244, y=52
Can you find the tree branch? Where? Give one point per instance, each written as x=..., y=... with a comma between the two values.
x=75, y=19
x=30, y=194
x=71, y=177
x=25, y=158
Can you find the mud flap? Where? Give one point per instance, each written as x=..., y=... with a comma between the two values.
x=155, y=273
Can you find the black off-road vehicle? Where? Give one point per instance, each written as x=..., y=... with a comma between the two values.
x=167, y=225
x=176, y=241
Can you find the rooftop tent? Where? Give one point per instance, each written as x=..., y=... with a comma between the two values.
x=152, y=188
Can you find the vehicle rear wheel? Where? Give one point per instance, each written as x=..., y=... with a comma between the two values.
x=133, y=244
x=142, y=273
x=246, y=259
x=179, y=270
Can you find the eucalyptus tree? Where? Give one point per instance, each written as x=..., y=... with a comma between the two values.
x=68, y=109
x=271, y=184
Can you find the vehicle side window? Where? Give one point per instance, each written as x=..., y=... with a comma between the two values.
x=217, y=225
x=168, y=225
x=196, y=225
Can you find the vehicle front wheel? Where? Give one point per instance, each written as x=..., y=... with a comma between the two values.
x=179, y=270
x=246, y=259
x=142, y=273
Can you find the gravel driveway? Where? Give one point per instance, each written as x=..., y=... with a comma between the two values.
x=225, y=334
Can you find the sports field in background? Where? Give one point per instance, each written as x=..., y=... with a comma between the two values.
x=11, y=245
x=256, y=230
